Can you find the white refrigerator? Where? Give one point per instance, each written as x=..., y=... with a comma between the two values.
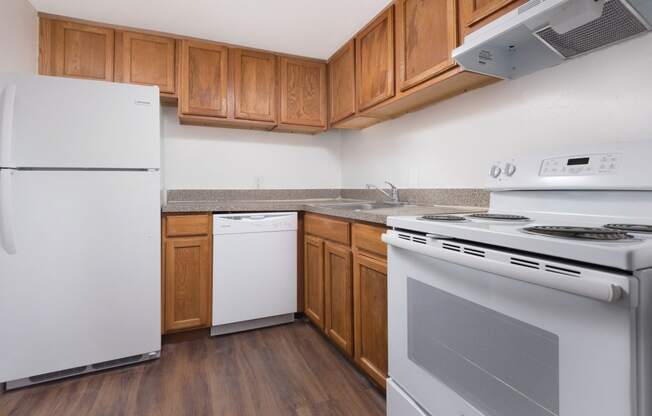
x=79, y=226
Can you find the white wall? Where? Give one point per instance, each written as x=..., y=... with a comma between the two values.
x=18, y=36
x=600, y=97
x=217, y=158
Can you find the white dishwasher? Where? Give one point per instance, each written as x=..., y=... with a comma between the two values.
x=254, y=270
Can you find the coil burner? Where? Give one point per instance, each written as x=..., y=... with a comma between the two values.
x=631, y=228
x=581, y=233
x=448, y=218
x=499, y=217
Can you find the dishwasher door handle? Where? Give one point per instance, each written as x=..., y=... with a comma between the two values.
x=258, y=217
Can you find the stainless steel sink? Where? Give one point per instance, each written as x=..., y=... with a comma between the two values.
x=363, y=206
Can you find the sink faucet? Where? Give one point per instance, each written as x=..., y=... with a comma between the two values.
x=392, y=194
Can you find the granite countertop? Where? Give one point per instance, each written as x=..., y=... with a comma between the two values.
x=378, y=215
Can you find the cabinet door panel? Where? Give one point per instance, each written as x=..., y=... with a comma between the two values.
x=375, y=61
x=368, y=238
x=341, y=72
x=328, y=228
x=203, y=79
x=370, y=316
x=313, y=252
x=426, y=35
x=147, y=60
x=187, y=225
x=187, y=283
x=476, y=13
x=303, y=92
x=82, y=51
x=254, y=85
x=339, y=296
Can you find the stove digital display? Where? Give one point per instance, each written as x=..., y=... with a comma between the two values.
x=578, y=161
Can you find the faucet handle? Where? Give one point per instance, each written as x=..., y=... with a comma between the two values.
x=394, y=191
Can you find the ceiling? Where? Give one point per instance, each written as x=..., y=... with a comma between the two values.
x=314, y=28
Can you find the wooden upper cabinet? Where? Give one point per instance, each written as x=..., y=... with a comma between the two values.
x=303, y=92
x=254, y=85
x=476, y=13
x=374, y=48
x=204, y=75
x=341, y=73
x=77, y=50
x=426, y=34
x=146, y=59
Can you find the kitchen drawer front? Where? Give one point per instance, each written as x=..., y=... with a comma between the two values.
x=327, y=228
x=187, y=225
x=367, y=238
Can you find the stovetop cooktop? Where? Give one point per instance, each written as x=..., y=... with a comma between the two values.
x=606, y=241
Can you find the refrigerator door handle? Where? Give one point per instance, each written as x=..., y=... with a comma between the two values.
x=7, y=237
x=7, y=125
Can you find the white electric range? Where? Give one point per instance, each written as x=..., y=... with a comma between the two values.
x=542, y=306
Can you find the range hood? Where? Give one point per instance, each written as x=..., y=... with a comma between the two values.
x=544, y=33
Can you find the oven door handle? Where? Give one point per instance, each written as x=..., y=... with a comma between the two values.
x=592, y=289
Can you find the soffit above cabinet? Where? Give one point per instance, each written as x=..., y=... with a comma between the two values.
x=313, y=28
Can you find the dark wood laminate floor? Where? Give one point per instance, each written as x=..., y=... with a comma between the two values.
x=285, y=370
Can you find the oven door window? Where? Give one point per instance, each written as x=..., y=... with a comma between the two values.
x=500, y=365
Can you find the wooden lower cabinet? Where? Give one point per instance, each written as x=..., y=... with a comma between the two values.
x=370, y=315
x=313, y=254
x=187, y=272
x=345, y=282
x=339, y=296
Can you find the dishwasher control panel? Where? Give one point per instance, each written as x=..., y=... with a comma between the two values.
x=254, y=222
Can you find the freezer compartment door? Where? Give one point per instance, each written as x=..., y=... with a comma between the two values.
x=81, y=284
x=51, y=122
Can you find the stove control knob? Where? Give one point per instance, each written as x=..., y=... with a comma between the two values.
x=510, y=169
x=495, y=171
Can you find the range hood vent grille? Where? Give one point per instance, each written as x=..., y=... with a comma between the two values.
x=617, y=23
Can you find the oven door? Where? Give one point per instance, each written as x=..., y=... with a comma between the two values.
x=466, y=341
